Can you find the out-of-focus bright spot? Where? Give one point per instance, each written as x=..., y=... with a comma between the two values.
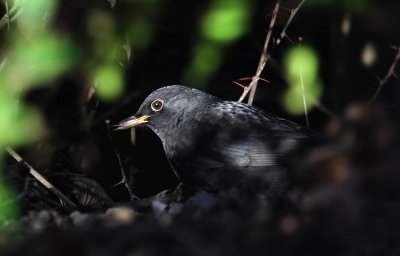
x=304, y=90
x=304, y=59
x=140, y=33
x=112, y=3
x=35, y=14
x=368, y=55
x=38, y=61
x=346, y=25
x=206, y=61
x=128, y=51
x=295, y=96
x=226, y=20
x=109, y=82
x=100, y=24
x=9, y=211
x=19, y=124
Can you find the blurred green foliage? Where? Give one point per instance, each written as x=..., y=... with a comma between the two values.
x=106, y=64
x=8, y=207
x=223, y=24
x=301, y=63
x=207, y=59
x=33, y=55
x=226, y=20
x=35, y=16
x=140, y=32
x=19, y=123
x=108, y=81
x=29, y=63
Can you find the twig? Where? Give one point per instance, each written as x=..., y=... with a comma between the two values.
x=292, y=14
x=326, y=111
x=124, y=179
x=263, y=59
x=252, y=87
x=41, y=179
x=248, y=78
x=389, y=74
x=8, y=18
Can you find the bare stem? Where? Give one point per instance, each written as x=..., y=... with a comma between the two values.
x=252, y=87
x=326, y=111
x=124, y=179
x=41, y=179
x=263, y=59
x=389, y=74
x=292, y=14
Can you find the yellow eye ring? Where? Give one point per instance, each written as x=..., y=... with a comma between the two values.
x=157, y=105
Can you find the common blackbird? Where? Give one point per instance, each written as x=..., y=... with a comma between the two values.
x=216, y=145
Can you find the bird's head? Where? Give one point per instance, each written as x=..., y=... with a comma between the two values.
x=164, y=109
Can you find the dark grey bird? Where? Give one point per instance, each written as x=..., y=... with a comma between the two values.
x=215, y=145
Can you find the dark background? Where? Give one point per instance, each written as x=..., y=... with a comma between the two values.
x=88, y=146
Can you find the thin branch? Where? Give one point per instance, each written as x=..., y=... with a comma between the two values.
x=124, y=179
x=41, y=179
x=252, y=87
x=263, y=59
x=248, y=78
x=391, y=72
x=292, y=14
x=326, y=111
x=10, y=16
x=241, y=85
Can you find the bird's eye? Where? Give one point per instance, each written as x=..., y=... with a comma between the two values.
x=157, y=105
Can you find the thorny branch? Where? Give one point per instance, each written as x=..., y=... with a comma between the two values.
x=42, y=179
x=263, y=59
x=292, y=14
x=391, y=72
x=252, y=87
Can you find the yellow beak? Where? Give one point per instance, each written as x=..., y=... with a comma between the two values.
x=131, y=122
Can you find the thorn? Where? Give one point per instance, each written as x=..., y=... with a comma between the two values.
x=394, y=74
x=289, y=39
x=119, y=183
x=286, y=9
x=380, y=81
x=243, y=86
x=245, y=78
x=264, y=80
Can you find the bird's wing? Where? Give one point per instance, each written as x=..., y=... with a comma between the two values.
x=249, y=152
x=247, y=137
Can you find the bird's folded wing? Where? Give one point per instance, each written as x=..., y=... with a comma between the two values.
x=245, y=153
